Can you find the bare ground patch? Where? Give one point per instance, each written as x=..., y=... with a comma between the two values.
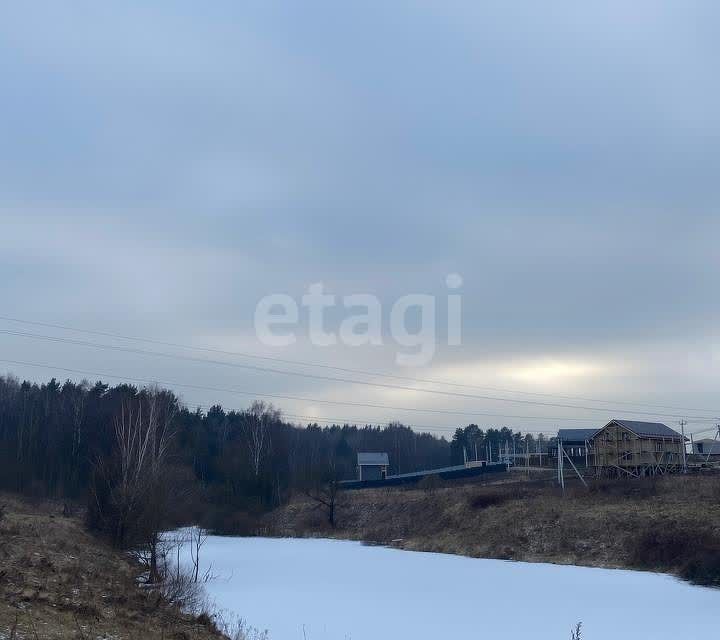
x=57, y=581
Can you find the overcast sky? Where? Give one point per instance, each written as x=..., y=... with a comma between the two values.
x=163, y=168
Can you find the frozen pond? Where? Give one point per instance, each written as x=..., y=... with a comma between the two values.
x=336, y=590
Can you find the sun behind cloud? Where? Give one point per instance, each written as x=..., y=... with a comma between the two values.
x=547, y=371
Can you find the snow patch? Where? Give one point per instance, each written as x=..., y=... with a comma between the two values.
x=337, y=590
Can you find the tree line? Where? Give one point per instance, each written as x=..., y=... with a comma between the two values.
x=473, y=443
x=76, y=439
x=144, y=461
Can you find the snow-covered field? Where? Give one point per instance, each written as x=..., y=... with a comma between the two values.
x=336, y=590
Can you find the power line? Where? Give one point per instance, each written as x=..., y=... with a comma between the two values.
x=330, y=378
x=101, y=375
x=416, y=426
x=469, y=413
x=354, y=421
x=365, y=421
x=343, y=369
x=433, y=428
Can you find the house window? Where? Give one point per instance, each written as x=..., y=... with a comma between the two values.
x=658, y=446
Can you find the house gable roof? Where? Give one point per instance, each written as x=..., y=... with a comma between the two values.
x=372, y=459
x=576, y=435
x=647, y=429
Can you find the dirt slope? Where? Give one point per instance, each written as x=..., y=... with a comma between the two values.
x=672, y=524
x=57, y=581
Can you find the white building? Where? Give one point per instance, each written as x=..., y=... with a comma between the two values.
x=707, y=446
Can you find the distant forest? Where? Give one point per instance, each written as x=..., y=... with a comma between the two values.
x=137, y=454
x=54, y=436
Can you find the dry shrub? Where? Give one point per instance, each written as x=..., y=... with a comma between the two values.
x=190, y=596
x=180, y=589
x=235, y=627
x=204, y=619
x=625, y=488
x=384, y=533
x=694, y=553
x=430, y=483
x=703, y=567
x=231, y=522
x=313, y=520
x=498, y=495
x=486, y=499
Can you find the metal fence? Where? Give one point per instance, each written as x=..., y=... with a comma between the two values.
x=446, y=473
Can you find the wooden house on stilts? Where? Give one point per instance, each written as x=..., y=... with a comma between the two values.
x=633, y=448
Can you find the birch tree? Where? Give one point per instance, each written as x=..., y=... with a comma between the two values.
x=135, y=491
x=259, y=418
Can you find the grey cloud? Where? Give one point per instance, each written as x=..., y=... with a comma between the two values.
x=166, y=167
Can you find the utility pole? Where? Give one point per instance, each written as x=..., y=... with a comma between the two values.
x=559, y=460
x=684, y=451
x=527, y=456
x=539, y=448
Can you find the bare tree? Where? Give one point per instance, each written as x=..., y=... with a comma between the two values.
x=78, y=399
x=324, y=488
x=198, y=537
x=134, y=493
x=259, y=418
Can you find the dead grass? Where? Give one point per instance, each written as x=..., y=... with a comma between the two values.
x=669, y=524
x=57, y=581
